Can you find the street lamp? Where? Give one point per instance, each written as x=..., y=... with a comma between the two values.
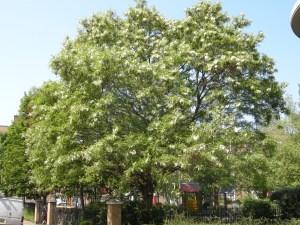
x=295, y=19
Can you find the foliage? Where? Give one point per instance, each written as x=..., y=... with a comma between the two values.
x=85, y=222
x=95, y=213
x=289, y=201
x=145, y=87
x=143, y=102
x=180, y=220
x=285, y=164
x=52, y=141
x=257, y=208
x=223, y=155
x=133, y=212
x=15, y=168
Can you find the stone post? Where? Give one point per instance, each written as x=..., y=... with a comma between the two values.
x=114, y=212
x=51, y=210
x=38, y=211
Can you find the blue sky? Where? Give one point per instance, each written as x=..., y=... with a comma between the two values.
x=32, y=31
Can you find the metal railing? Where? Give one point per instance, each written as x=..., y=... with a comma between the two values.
x=67, y=216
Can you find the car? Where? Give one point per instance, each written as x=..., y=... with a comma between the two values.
x=61, y=202
x=11, y=211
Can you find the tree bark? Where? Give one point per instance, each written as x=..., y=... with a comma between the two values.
x=147, y=189
x=82, y=198
x=216, y=197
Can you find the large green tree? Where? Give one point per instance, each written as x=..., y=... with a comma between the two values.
x=56, y=139
x=223, y=155
x=15, y=170
x=136, y=92
x=285, y=163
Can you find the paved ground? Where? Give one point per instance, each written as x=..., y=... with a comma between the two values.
x=28, y=223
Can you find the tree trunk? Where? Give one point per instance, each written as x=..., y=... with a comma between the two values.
x=82, y=198
x=147, y=198
x=147, y=189
x=44, y=198
x=225, y=200
x=216, y=197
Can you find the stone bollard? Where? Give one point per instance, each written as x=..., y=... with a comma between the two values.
x=51, y=211
x=114, y=212
x=38, y=211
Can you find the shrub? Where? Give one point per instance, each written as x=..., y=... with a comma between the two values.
x=95, y=213
x=257, y=208
x=133, y=213
x=85, y=222
x=289, y=201
x=181, y=220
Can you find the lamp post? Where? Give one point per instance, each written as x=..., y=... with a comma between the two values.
x=295, y=18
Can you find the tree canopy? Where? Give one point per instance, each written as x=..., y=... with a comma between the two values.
x=285, y=163
x=15, y=170
x=142, y=97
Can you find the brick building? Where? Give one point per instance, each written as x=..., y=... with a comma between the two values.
x=3, y=129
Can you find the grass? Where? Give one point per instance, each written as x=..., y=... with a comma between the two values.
x=29, y=214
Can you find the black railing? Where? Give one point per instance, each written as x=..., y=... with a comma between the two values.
x=226, y=215
x=223, y=214
x=68, y=216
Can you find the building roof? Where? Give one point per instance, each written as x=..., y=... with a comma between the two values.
x=3, y=129
x=189, y=187
x=295, y=19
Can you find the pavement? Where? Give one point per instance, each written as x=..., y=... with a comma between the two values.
x=28, y=223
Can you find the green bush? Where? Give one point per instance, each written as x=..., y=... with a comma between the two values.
x=95, y=214
x=181, y=220
x=133, y=213
x=86, y=222
x=289, y=201
x=257, y=208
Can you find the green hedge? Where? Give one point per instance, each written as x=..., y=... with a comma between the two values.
x=257, y=208
x=180, y=220
x=94, y=214
x=289, y=201
x=132, y=214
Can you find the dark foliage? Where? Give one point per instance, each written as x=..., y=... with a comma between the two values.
x=257, y=208
x=133, y=213
x=289, y=201
x=94, y=214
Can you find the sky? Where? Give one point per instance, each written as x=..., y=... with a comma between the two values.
x=32, y=31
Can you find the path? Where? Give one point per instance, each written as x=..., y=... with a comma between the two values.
x=28, y=223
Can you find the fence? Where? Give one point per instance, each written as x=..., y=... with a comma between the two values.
x=220, y=214
x=229, y=215
x=67, y=216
